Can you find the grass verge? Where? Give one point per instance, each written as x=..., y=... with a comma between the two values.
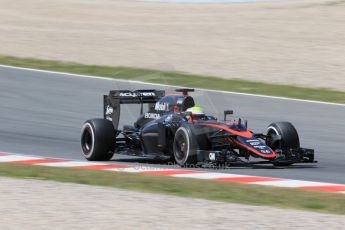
x=181, y=79
x=205, y=189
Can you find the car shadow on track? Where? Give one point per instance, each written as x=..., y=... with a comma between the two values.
x=283, y=167
x=166, y=162
x=142, y=160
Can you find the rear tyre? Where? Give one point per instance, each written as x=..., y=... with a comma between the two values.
x=98, y=138
x=289, y=138
x=185, y=147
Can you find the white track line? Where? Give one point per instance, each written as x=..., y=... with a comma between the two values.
x=288, y=183
x=128, y=170
x=139, y=169
x=157, y=84
x=13, y=158
x=36, y=156
x=70, y=164
x=209, y=176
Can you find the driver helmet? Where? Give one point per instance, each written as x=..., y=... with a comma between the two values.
x=197, y=113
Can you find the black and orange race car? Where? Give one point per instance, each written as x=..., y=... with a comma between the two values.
x=175, y=129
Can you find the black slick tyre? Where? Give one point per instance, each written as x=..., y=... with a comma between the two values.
x=289, y=137
x=185, y=147
x=98, y=138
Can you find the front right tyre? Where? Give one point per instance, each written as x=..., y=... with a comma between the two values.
x=98, y=138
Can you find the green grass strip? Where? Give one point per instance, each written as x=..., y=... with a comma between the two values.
x=181, y=79
x=205, y=189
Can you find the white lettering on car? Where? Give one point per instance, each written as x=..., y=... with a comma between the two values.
x=141, y=94
x=265, y=151
x=212, y=156
x=255, y=143
x=152, y=115
x=162, y=106
x=147, y=94
x=109, y=110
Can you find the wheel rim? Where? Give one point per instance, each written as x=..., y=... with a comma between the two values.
x=181, y=147
x=87, y=141
x=274, y=145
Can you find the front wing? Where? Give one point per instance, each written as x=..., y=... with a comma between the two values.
x=284, y=156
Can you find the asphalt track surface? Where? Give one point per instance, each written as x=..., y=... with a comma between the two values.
x=42, y=113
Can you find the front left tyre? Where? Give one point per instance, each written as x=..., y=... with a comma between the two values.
x=98, y=138
x=185, y=147
x=288, y=138
x=287, y=132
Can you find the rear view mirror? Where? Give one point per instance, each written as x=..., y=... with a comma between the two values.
x=227, y=112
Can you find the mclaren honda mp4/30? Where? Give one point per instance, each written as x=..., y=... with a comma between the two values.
x=168, y=129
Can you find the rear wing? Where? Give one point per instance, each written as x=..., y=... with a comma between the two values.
x=112, y=102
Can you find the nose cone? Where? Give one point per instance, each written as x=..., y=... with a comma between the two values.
x=256, y=147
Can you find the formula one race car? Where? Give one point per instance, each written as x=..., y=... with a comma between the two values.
x=174, y=128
